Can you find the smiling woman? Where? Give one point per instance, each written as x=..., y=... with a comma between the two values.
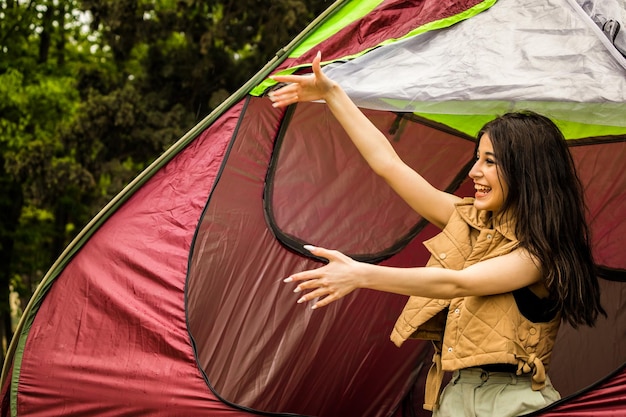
x=491, y=191
x=501, y=276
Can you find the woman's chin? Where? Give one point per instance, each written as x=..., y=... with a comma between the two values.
x=486, y=205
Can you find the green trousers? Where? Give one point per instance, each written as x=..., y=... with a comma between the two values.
x=475, y=393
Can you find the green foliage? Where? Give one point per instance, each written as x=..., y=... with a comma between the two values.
x=92, y=91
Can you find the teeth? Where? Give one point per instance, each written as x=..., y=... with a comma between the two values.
x=484, y=189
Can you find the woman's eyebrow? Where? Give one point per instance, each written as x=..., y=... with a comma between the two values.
x=488, y=153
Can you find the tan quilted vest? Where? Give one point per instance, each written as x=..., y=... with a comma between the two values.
x=474, y=331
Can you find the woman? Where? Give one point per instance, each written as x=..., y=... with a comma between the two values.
x=509, y=265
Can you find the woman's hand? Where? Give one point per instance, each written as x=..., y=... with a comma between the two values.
x=332, y=281
x=308, y=87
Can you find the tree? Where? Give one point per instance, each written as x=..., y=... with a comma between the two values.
x=93, y=91
x=36, y=99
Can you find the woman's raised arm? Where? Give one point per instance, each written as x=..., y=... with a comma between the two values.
x=434, y=205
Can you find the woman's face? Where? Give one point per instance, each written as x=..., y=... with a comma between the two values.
x=491, y=191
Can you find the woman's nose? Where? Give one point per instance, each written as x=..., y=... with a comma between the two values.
x=474, y=172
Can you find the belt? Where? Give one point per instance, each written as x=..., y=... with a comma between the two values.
x=498, y=367
x=481, y=376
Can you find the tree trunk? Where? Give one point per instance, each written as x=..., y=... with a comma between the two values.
x=60, y=44
x=45, y=38
x=11, y=207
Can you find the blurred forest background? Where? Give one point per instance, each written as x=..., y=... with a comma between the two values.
x=93, y=91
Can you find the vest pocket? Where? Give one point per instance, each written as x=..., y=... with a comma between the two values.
x=445, y=252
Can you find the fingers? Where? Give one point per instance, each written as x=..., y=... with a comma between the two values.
x=312, y=295
x=311, y=283
x=288, y=79
x=314, y=273
x=309, y=87
x=285, y=96
x=321, y=282
x=303, y=276
x=331, y=255
x=285, y=89
x=319, y=289
x=284, y=100
x=317, y=66
x=329, y=297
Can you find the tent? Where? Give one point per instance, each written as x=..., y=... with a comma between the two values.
x=171, y=302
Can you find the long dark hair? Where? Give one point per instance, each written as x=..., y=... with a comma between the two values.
x=545, y=197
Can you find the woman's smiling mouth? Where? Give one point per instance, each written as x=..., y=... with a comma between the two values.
x=481, y=190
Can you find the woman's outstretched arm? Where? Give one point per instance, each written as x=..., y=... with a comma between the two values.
x=434, y=205
x=342, y=275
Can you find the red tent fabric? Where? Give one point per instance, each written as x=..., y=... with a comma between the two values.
x=174, y=305
x=110, y=338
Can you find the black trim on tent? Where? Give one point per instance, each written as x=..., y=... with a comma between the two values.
x=610, y=274
x=596, y=140
x=604, y=272
x=191, y=251
x=295, y=244
x=583, y=391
